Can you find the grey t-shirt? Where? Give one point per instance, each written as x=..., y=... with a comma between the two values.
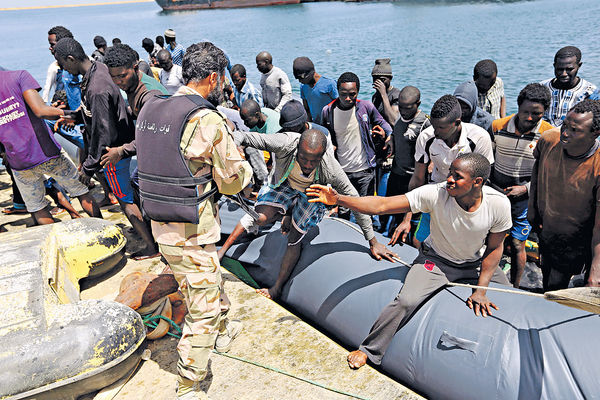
x=405, y=136
x=458, y=235
x=276, y=88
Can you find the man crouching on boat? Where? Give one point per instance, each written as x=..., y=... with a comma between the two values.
x=468, y=225
x=300, y=160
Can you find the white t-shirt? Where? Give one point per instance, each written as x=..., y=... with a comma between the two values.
x=458, y=235
x=350, y=151
x=473, y=139
x=172, y=80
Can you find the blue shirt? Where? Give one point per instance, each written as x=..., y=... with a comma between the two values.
x=177, y=54
x=317, y=97
x=249, y=91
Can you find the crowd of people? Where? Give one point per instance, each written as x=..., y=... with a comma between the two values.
x=453, y=182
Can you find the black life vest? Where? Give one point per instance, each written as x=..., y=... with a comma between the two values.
x=168, y=189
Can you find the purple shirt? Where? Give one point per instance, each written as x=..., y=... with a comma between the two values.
x=26, y=138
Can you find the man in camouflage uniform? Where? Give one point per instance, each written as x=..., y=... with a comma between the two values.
x=207, y=145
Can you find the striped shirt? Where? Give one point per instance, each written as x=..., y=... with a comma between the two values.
x=514, y=153
x=564, y=99
x=177, y=54
x=491, y=100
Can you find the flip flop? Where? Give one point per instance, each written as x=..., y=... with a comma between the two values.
x=13, y=210
x=140, y=257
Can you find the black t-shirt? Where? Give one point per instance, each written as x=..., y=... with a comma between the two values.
x=393, y=95
x=405, y=138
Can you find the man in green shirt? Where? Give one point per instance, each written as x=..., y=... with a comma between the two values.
x=261, y=120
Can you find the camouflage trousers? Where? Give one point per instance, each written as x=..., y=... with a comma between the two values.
x=197, y=270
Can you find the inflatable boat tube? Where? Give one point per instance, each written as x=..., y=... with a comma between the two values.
x=53, y=345
x=530, y=348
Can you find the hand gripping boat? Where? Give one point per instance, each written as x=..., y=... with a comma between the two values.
x=530, y=348
x=53, y=345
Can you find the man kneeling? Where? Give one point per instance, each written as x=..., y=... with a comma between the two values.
x=300, y=160
x=468, y=225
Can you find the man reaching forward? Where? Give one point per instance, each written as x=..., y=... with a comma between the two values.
x=300, y=160
x=468, y=225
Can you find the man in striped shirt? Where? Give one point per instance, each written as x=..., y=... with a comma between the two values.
x=490, y=88
x=566, y=88
x=515, y=137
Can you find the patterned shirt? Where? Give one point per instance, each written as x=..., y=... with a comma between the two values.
x=491, y=100
x=562, y=100
x=249, y=91
x=207, y=143
x=177, y=54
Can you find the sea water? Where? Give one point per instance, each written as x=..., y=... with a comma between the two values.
x=433, y=46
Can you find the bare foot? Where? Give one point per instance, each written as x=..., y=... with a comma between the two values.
x=357, y=359
x=270, y=293
x=264, y=292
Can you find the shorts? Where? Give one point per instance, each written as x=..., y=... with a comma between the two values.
x=422, y=231
x=119, y=180
x=31, y=181
x=305, y=215
x=521, y=228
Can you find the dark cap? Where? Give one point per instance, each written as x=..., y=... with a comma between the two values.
x=99, y=41
x=303, y=66
x=292, y=114
x=382, y=67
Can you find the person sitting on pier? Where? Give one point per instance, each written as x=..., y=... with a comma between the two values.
x=461, y=207
x=301, y=160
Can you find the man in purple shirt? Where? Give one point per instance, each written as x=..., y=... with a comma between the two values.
x=31, y=149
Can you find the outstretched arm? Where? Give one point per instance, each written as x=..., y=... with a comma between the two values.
x=39, y=108
x=478, y=301
x=367, y=205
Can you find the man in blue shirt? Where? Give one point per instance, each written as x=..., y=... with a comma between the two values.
x=242, y=89
x=177, y=51
x=316, y=91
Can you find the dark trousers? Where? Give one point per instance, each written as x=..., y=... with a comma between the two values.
x=419, y=285
x=17, y=199
x=560, y=260
x=364, y=183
